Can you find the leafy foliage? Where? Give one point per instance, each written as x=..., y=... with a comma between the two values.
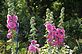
x=70, y=18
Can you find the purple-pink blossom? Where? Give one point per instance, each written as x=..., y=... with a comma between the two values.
x=11, y=18
x=61, y=33
x=49, y=27
x=33, y=42
x=55, y=35
x=9, y=35
x=11, y=21
x=33, y=47
x=11, y=24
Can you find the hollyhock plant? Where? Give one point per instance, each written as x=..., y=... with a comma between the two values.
x=55, y=35
x=33, y=47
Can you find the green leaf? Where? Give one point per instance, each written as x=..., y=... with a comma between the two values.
x=8, y=47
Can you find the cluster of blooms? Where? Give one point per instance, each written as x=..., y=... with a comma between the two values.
x=55, y=35
x=11, y=24
x=33, y=47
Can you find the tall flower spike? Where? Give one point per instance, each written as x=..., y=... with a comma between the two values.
x=33, y=28
x=61, y=16
x=49, y=20
x=12, y=25
x=49, y=16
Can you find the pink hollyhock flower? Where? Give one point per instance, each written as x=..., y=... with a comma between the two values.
x=9, y=17
x=49, y=27
x=50, y=41
x=33, y=42
x=55, y=35
x=61, y=33
x=61, y=40
x=37, y=45
x=33, y=48
x=59, y=37
x=15, y=18
x=50, y=35
x=11, y=25
x=9, y=35
x=57, y=43
x=12, y=18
